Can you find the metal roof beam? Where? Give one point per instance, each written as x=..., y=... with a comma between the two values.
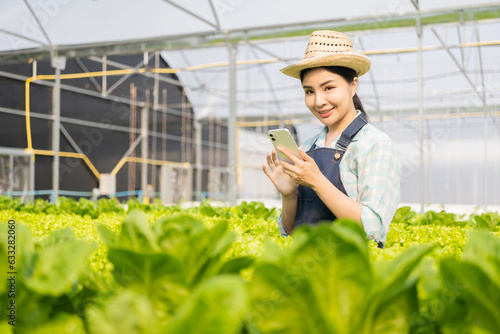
x=125, y=77
x=87, y=92
x=480, y=56
x=375, y=90
x=70, y=140
x=147, y=74
x=271, y=88
x=195, y=74
x=458, y=65
x=415, y=4
x=24, y=38
x=70, y=88
x=99, y=125
x=187, y=11
x=202, y=39
x=69, y=120
x=110, y=48
x=215, y=15
x=39, y=24
x=254, y=45
x=360, y=19
x=86, y=70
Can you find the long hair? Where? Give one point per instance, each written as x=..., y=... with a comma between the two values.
x=348, y=74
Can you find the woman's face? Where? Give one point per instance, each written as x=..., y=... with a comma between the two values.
x=329, y=97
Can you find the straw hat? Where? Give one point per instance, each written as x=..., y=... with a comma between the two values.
x=329, y=48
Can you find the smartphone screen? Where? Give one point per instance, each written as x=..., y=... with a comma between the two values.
x=284, y=138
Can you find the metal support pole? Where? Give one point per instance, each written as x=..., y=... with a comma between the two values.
x=421, y=110
x=183, y=126
x=375, y=90
x=156, y=95
x=11, y=174
x=197, y=136
x=104, y=83
x=56, y=124
x=485, y=111
x=144, y=145
x=164, y=125
x=233, y=185
x=31, y=197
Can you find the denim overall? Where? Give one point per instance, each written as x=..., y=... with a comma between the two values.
x=310, y=207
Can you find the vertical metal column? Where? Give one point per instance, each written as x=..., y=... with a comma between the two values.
x=144, y=145
x=31, y=197
x=56, y=124
x=420, y=109
x=11, y=174
x=104, y=82
x=183, y=127
x=197, y=137
x=164, y=125
x=485, y=112
x=132, y=135
x=156, y=96
x=233, y=186
x=211, y=141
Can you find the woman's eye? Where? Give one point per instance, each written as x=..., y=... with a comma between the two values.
x=329, y=88
x=308, y=92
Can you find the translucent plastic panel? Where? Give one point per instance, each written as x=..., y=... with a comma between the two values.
x=445, y=4
x=77, y=22
x=15, y=17
x=239, y=14
x=9, y=42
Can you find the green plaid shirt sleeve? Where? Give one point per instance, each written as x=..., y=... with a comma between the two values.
x=370, y=171
x=377, y=187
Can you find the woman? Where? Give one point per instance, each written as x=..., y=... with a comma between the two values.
x=350, y=169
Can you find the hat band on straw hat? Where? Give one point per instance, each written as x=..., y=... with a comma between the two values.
x=329, y=48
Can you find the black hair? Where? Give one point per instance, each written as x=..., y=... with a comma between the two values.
x=348, y=74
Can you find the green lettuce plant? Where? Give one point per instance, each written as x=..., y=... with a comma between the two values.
x=167, y=260
x=325, y=283
x=47, y=279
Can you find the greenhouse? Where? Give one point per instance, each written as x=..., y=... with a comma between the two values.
x=132, y=141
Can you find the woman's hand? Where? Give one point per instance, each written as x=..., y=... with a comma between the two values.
x=304, y=171
x=280, y=179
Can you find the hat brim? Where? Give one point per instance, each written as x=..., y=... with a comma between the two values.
x=354, y=60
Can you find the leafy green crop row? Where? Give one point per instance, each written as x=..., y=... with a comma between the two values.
x=85, y=207
x=63, y=205
x=226, y=270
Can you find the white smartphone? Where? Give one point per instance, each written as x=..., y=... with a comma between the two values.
x=284, y=138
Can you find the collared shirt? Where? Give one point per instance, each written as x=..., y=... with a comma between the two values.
x=370, y=171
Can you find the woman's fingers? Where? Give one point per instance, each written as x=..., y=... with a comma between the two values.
x=270, y=161
x=266, y=171
x=289, y=169
x=301, y=167
x=305, y=156
x=275, y=159
x=289, y=154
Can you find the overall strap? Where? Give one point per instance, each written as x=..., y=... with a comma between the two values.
x=351, y=131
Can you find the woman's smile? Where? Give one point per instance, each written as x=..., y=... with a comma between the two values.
x=326, y=113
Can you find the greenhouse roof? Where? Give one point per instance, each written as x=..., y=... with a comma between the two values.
x=431, y=60
x=34, y=26
x=460, y=43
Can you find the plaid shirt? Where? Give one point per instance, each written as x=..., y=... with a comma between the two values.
x=370, y=171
